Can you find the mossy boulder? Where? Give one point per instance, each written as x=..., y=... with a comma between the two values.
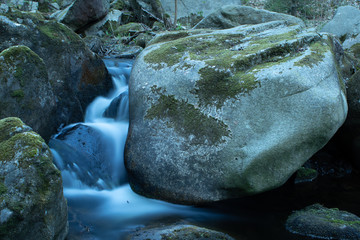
x=226, y=113
x=82, y=13
x=25, y=89
x=76, y=74
x=317, y=221
x=177, y=232
x=230, y=16
x=32, y=202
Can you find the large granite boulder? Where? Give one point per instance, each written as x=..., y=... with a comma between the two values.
x=76, y=74
x=227, y=113
x=25, y=89
x=82, y=13
x=32, y=202
x=230, y=16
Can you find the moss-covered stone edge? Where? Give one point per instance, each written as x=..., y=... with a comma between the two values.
x=186, y=119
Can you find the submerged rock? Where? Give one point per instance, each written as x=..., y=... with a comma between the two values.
x=317, y=221
x=25, y=89
x=177, y=232
x=32, y=202
x=230, y=16
x=222, y=114
x=76, y=74
x=84, y=151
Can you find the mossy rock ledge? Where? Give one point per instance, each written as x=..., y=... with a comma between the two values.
x=317, y=221
x=227, y=113
x=32, y=205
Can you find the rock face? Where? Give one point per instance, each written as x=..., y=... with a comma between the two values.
x=25, y=88
x=227, y=113
x=178, y=232
x=81, y=13
x=32, y=202
x=230, y=16
x=345, y=23
x=188, y=7
x=324, y=223
x=76, y=75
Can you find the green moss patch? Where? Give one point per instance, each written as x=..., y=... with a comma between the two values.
x=215, y=87
x=230, y=59
x=318, y=51
x=58, y=31
x=18, y=94
x=305, y=175
x=188, y=120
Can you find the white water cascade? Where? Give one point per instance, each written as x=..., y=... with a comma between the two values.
x=101, y=202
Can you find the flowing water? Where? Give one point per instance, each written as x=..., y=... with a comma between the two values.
x=108, y=209
x=103, y=206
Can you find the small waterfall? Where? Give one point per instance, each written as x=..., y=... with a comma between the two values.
x=90, y=157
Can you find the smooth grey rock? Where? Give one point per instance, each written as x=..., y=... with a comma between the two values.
x=230, y=16
x=228, y=113
x=32, y=202
x=345, y=23
x=188, y=7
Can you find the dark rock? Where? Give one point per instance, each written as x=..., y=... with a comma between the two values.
x=85, y=152
x=32, y=203
x=76, y=74
x=324, y=223
x=118, y=108
x=148, y=11
x=305, y=175
x=82, y=13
